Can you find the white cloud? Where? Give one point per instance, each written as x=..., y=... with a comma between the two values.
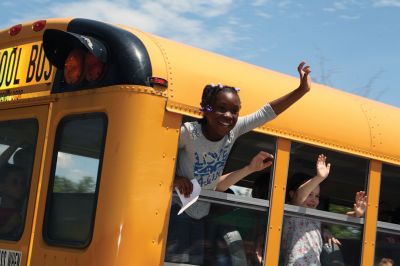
x=349, y=17
x=284, y=4
x=264, y=15
x=181, y=20
x=344, y=5
x=260, y=2
x=64, y=160
x=386, y=3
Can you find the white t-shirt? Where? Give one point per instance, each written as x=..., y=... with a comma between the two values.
x=205, y=160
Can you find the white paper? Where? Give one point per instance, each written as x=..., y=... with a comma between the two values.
x=187, y=202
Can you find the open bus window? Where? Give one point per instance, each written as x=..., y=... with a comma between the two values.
x=235, y=227
x=323, y=217
x=255, y=185
x=17, y=146
x=388, y=230
x=74, y=182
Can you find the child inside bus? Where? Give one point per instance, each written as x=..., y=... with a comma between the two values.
x=386, y=262
x=204, y=147
x=302, y=242
x=12, y=188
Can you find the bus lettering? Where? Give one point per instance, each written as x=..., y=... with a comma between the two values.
x=11, y=68
x=32, y=66
x=16, y=80
x=14, y=259
x=3, y=256
x=3, y=64
x=47, y=74
x=40, y=64
x=37, y=65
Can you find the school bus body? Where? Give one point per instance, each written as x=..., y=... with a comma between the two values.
x=132, y=213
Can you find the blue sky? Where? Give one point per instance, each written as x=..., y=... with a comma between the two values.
x=352, y=45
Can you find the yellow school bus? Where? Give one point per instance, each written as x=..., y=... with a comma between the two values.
x=89, y=126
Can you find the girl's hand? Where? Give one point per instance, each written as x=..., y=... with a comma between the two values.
x=329, y=238
x=305, y=80
x=184, y=185
x=261, y=161
x=322, y=167
x=360, y=205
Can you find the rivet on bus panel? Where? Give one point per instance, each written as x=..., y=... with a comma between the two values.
x=163, y=155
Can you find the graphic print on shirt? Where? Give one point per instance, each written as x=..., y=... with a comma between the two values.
x=209, y=166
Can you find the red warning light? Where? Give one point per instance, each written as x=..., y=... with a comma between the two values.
x=39, y=25
x=14, y=30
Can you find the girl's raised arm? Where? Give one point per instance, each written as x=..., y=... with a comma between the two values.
x=305, y=189
x=281, y=104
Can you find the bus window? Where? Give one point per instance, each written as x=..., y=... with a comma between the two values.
x=17, y=145
x=74, y=182
x=245, y=148
x=388, y=230
x=317, y=222
x=235, y=228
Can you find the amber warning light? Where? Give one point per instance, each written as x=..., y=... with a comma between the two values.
x=80, y=66
x=83, y=58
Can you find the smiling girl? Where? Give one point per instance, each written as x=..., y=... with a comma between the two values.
x=204, y=147
x=301, y=238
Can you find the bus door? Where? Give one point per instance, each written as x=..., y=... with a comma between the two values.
x=22, y=138
x=71, y=177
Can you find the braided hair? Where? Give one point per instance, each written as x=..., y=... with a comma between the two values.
x=210, y=93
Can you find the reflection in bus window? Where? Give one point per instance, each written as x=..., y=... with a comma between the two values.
x=76, y=169
x=234, y=236
x=75, y=174
x=17, y=142
x=333, y=183
x=388, y=235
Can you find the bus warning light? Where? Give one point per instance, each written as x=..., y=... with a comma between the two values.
x=39, y=25
x=94, y=68
x=73, y=67
x=159, y=81
x=14, y=30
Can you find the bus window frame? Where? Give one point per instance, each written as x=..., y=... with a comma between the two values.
x=30, y=177
x=46, y=221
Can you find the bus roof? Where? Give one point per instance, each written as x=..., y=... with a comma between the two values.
x=325, y=116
